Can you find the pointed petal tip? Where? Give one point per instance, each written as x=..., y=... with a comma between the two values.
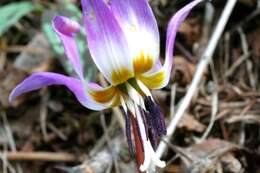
x=44, y=79
x=172, y=29
x=65, y=26
x=16, y=92
x=12, y=96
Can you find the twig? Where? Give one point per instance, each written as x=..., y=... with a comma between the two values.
x=41, y=156
x=44, y=113
x=8, y=132
x=9, y=135
x=214, y=103
x=116, y=110
x=251, y=16
x=7, y=167
x=100, y=143
x=249, y=64
x=184, y=51
x=104, y=126
x=101, y=161
x=236, y=64
x=207, y=26
x=206, y=57
x=173, y=95
x=213, y=116
x=245, y=118
x=57, y=132
x=18, y=49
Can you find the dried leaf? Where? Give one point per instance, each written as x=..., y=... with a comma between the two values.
x=191, y=30
x=183, y=70
x=190, y=123
x=206, y=156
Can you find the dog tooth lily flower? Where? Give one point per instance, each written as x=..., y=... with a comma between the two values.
x=123, y=40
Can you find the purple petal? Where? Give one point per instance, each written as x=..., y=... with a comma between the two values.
x=160, y=78
x=137, y=12
x=139, y=24
x=66, y=30
x=106, y=41
x=43, y=79
x=172, y=30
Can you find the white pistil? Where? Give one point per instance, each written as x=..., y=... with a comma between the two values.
x=149, y=154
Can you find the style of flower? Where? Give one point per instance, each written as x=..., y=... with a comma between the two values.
x=123, y=40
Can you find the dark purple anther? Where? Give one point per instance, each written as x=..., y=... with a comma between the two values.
x=128, y=134
x=155, y=116
x=153, y=137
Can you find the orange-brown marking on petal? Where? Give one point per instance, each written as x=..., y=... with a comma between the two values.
x=103, y=96
x=116, y=101
x=121, y=76
x=154, y=81
x=143, y=63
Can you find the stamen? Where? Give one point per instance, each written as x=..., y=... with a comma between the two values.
x=149, y=154
x=128, y=133
x=147, y=125
x=153, y=138
x=147, y=159
x=153, y=135
x=140, y=129
x=156, y=117
x=155, y=157
x=127, y=127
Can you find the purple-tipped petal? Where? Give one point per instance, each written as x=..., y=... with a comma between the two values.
x=43, y=79
x=160, y=79
x=65, y=25
x=139, y=24
x=66, y=30
x=172, y=30
x=106, y=42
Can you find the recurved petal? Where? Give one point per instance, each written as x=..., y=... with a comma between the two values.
x=172, y=30
x=107, y=42
x=139, y=25
x=66, y=30
x=109, y=96
x=43, y=79
x=161, y=78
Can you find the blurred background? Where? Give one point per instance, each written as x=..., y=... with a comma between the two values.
x=49, y=131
